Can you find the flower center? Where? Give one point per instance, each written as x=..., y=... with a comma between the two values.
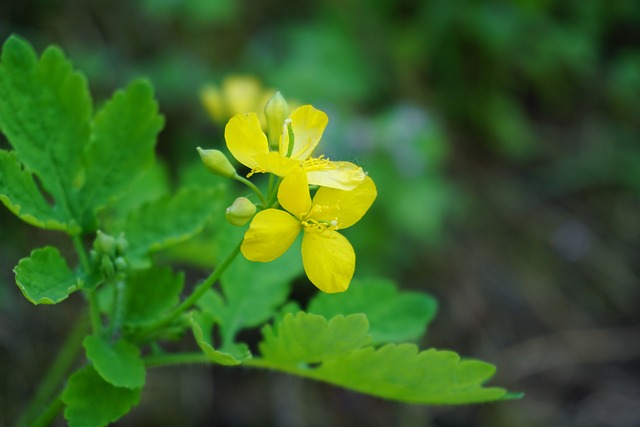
x=309, y=223
x=318, y=225
x=318, y=163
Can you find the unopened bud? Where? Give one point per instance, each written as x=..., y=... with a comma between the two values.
x=105, y=244
x=120, y=263
x=107, y=268
x=240, y=211
x=276, y=111
x=122, y=244
x=217, y=162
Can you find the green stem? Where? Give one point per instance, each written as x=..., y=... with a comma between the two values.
x=82, y=253
x=94, y=311
x=273, y=195
x=289, y=369
x=272, y=182
x=96, y=322
x=194, y=297
x=49, y=414
x=57, y=371
x=175, y=359
x=253, y=187
x=118, y=309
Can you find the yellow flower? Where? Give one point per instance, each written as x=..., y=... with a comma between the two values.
x=327, y=256
x=248, y=144
x=237, y=94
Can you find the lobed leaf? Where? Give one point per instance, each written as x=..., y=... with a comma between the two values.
x=152, y=184
x=92, y=402
x=234, y=354
x=122, y=145
x=45, y=278
x=19, y=193
x=167, y=221
x=336, y=349
x=46, y=114
x=119, y=364
x=393, y=316
x=151, y=293
x=401, y=372
x=45, y=111
x=310, y=338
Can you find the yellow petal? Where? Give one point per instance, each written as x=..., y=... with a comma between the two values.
x=270, y=234
x=308, y=125
x=340, y=175
x=245, y=139
x=345, y=206
x=273, y=162
x=328, y=259
x=241, y=93
x=213, y=103
x=293, y=193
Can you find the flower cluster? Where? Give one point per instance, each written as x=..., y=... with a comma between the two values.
x=344, y=192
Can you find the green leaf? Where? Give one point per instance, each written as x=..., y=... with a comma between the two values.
x=19, y=192
x=119, y=364
x=400, y=372
x=45, y=278
x=151, y=293
x=93, y=402
x=252, y=292
x=393, y=316
x=167, y=221
x=45, y=111
x=234, y=354
x=151, y=185
x=311, y=338
x=122, y=145
x=333, y=352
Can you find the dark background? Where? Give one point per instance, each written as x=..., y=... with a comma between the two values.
x=503, y=136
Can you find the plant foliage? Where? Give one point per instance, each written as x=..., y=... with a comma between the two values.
x=67, y=170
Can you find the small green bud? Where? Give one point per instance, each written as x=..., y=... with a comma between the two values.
x=105, y=244
x=107, y=268
x=240, y=211
x=217, y=162
x=120, y=263
x=122, y=244
x=276, y=111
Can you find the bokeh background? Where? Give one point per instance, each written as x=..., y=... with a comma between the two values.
x=504, y=137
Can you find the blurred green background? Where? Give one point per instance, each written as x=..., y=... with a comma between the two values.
x=503, y=136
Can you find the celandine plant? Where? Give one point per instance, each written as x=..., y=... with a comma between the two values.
x=70, y=166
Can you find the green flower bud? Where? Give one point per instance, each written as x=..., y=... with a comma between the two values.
x=107, y=268
x=122, y=244
x=105, y=244
x=276, y=111
x=240, y=211
x=120, y=263
x=217, y=162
